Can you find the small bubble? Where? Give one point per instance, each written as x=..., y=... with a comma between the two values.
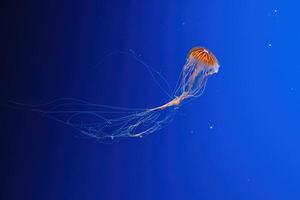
x=269, y=44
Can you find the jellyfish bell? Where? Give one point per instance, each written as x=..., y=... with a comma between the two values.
x=204, y=58
x=203, y=55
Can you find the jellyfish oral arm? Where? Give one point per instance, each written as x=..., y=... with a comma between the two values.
x=173, y=103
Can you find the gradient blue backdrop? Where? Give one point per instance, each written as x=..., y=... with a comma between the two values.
x=240, y=140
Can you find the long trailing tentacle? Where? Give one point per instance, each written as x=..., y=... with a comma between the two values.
x=156, y=76
x=101, y=121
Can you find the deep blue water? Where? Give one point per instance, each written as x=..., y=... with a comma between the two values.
x=240, y=140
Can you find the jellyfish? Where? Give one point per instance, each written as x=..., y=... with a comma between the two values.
x=107, y=122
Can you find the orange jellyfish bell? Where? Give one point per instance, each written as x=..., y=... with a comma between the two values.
x=205, y=57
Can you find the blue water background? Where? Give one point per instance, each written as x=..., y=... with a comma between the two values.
x=240, y=140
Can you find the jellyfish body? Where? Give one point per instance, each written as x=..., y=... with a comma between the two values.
x=107, y=122
x=200, y=64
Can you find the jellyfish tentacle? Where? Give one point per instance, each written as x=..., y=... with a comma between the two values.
x=153, y=73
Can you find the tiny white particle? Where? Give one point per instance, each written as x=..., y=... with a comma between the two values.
x=275, y=11
x=270, y=45
x=211, y=127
